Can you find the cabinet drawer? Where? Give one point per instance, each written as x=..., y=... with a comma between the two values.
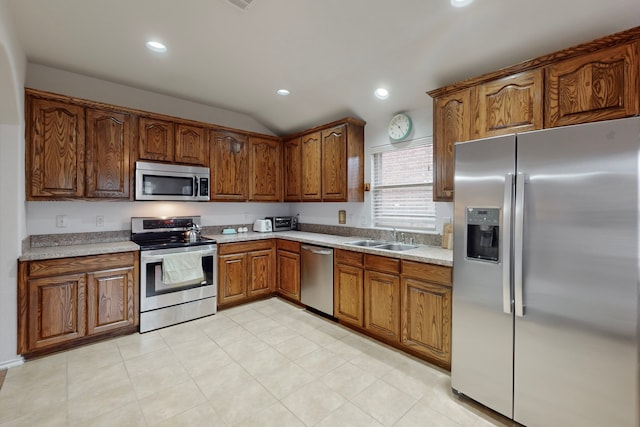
x=55, y=267
x=382, y=263
x=288, y=245
x=240, y=247
x=428, y=272
x=348, y=257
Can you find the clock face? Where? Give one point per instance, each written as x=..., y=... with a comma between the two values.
x=399, y=127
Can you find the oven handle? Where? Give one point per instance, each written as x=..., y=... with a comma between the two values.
x=154, y=258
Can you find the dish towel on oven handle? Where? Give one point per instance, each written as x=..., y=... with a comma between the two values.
x=182, y=269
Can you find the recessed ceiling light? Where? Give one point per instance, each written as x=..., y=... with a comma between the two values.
x=156, y=46
x=381, y=93
x=283, y=92
x=461, y=3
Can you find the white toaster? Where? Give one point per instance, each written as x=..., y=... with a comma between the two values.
x=262, y=226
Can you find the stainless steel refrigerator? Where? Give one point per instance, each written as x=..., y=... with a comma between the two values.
x=546, y=291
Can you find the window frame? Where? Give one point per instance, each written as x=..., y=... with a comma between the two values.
x=429, y=216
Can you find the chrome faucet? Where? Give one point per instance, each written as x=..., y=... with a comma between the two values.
x=394, y=234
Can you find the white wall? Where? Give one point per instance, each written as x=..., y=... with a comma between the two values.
x=81, y=216
x=12, y=214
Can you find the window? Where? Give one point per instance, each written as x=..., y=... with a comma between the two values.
x=403, y=188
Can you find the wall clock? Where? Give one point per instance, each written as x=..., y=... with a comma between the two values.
x=399, y=127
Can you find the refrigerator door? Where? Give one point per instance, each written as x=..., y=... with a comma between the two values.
x=482, y=324
x=576, y=344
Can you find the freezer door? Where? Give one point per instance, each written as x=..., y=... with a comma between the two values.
x=482, y=324
x=576, y=345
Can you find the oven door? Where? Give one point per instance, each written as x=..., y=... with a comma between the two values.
x=154, y=293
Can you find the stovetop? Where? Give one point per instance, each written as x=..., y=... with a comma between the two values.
x=165, y=233
x=163, y=243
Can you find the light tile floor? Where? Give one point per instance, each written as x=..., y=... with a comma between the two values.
x=268, y=363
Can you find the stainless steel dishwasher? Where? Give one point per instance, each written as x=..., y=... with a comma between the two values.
x=316, y=281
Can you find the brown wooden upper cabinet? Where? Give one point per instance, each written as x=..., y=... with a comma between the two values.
x=167, y=141
x=191, y=145
x=451, y=124
x=265, y=168
x=54, y=149
x=594, y=81
x=598, y=86
x=334, y=163
x=109, y=144
x=507, y=105
x=64, y=162
x=157, y=140
x=292, y=164
x=331, y=163
x=311, y=153
x=228, y=165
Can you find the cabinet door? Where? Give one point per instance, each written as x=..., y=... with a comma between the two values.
x=232, y=278
x=426, y=319
x=601, y=85
x=348, y=282
x=265, y=166
x=191, y=146
x=56, y=310
x=156, y=141
x=288, y=270
x=108, y=147
x=261, y=272
x=311, y=167
x=228, y=166
x=292, y=170
x=382, y=304
x=55, y=149
x=508, y=105
x=110, y=300
x=451, y=124
x=334, y=164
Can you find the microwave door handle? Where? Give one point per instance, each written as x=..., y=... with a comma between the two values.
x=195, y=186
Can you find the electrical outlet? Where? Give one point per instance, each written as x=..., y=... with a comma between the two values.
x=61, y=221
x=100, y=221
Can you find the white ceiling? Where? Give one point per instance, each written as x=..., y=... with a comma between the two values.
x=331, y=54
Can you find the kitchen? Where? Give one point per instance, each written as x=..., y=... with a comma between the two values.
x=31, y=219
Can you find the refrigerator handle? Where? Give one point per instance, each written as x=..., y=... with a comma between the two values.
x=518, y=245
x=506, y=243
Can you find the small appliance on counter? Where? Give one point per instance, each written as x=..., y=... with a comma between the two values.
x=262, y=226
x=283, y=223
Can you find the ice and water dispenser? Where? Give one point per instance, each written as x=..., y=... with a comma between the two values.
x=483, y=234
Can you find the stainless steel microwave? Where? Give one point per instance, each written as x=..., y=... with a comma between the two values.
x=159, y=181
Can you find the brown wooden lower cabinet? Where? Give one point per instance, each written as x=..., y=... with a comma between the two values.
x=348, y=287
x=404, y=303
x=246, y=271
x=382, y=296
x=288, y=269
x=67, y=301
x=426, y=310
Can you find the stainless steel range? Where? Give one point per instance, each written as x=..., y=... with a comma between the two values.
x=177, y=271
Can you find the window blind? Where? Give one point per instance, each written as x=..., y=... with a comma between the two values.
x=403, y=188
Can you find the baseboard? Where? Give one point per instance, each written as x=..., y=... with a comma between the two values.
x=11, y=363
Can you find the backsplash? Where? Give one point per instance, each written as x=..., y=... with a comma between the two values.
x=372, y=233
x=46, y=240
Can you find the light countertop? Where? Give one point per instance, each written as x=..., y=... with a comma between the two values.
x=428, y=254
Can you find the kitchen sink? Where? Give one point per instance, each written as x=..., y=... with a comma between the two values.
x=381, y=244
x=396, y=247
x=367, y=243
